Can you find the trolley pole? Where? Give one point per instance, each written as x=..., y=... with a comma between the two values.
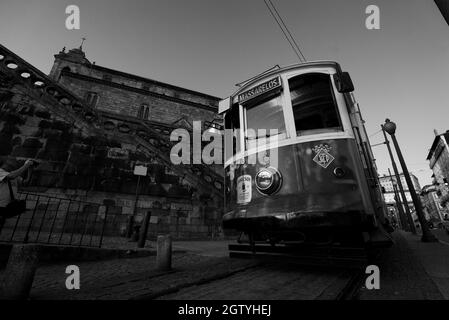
x=408, y=215
x=427, y=235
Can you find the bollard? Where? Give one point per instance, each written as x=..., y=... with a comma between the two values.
x=129, y=227
x=144, y=230
x=135, y=235
x=19, y=273
x=163, y=258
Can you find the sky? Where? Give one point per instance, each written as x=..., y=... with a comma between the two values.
x=400, y=71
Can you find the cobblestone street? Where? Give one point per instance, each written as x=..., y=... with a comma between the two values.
x=201, y=270
x=130, y=278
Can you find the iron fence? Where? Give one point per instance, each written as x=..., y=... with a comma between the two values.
x=53, y=220
x=60, y=221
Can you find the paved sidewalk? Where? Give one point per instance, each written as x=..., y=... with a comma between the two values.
x=412, y=270
x=434, y=257
x=442, y=235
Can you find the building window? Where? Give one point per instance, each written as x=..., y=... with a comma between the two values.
x=107, y=77
x=143, y=112
x=92, y=99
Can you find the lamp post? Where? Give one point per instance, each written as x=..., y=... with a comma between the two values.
x=427, y=235
x=408, y=215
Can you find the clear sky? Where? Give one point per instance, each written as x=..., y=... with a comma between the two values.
x=400, y=71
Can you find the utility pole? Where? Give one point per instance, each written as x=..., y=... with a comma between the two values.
x=408, y=215
x=427, y=235
x=402, y=216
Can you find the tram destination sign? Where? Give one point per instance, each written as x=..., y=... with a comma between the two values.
x=260, y=89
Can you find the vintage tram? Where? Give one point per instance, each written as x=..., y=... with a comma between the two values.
x=298, y=163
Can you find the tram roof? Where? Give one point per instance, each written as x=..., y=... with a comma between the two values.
x=251, y=81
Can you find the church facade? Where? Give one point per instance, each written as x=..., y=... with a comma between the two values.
x=89, y=126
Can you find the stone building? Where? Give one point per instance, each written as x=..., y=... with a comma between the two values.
x=111, y=91
x=89, y=126
x=438, y=158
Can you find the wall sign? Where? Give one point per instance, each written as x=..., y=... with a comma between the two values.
x=140, y=170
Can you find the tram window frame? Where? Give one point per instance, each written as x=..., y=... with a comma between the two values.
x=233, y=122
x=318, y=130
x=251, y=143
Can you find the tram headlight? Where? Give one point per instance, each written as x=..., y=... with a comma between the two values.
x=268, y=180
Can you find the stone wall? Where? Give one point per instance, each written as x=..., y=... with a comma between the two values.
x=92, y=169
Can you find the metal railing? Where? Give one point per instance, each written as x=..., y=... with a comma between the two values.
x=60, y=221
x=53, y=220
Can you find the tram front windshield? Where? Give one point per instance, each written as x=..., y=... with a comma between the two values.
x=265, y=118
x=314, y=106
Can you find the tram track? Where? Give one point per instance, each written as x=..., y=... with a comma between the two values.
x=273, y=281
x=320, y=274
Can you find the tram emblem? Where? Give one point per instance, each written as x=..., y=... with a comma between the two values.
x=323, y=156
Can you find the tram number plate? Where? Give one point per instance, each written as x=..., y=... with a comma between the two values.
x=244, y=191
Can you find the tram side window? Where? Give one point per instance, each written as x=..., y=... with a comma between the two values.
x=265, y=117
x=314, y=106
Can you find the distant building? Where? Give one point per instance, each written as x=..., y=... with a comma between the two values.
x=431, y=203
x=439, y=163
x=386, y=181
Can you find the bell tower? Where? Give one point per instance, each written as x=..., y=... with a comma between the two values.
x=74, y=61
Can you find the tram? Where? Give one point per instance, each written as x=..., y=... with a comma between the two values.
x=298, y=162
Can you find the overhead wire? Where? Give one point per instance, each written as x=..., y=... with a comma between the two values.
x=375, y=133
x=288, y=31
x=298, y=53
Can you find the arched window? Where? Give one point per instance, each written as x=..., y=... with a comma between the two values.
x=92, y=99
x=65, y=69
x=143, y=112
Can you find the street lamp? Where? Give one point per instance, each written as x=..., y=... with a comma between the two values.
x=427, y=235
